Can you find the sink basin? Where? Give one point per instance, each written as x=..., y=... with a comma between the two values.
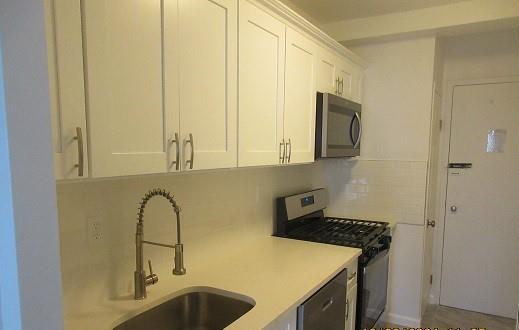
x=198, y=310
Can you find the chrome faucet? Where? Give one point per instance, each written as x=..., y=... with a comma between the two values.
x=141, y=279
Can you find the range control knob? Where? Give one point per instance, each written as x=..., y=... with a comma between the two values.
x=385, y=241
x=372, y=251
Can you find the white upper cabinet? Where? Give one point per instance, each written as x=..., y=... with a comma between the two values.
x=67, y=96
x=261, y=76
x=208, y=83
x=327, y=72
x=171, y=85
x=338, y=75
x=161, y=89
x=128, y=123
x=300, y=94
x=157, y=83
x=345, y=78
x=356, y=85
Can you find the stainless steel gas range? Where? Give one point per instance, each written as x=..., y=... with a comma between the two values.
x=302, y=217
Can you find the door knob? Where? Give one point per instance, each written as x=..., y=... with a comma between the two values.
x=431, y=223
x=454, y=208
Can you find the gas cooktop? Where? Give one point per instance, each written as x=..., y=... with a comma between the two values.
x=338, y=231
x=302, y=217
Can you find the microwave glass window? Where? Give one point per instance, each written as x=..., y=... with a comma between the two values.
x=339, y=129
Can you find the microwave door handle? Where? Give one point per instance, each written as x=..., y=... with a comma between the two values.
x=356, y=145
x=351, y=130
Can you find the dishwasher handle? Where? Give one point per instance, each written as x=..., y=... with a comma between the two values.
x=327, y=304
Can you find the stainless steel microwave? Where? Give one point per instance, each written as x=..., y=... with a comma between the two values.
x=338, y=127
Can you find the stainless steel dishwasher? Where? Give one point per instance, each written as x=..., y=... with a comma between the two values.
x=326, y=309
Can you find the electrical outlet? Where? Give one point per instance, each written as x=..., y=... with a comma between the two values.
x=95, y=231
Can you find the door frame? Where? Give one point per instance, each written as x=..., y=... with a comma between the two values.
x=443, y=159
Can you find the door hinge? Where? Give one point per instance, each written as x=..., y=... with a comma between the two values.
x=430, y=279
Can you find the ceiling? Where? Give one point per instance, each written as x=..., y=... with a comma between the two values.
x=326, y=11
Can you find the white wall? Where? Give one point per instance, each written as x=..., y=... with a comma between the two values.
x=29, y=265
x=473, y=56
x=301, y=12
x=239, y=201
x=386, y=190
x=397, y=99
x=431, y=202
x=484, y=55
x=405, y=279
x=456, y=17
x=389, y=180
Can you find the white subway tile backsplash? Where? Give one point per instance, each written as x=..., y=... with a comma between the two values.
x=378, y=189
x=239, y=201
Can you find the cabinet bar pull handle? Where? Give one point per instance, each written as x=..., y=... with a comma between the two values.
x=289, y=150
x=80, y=165
x=282, y=151
x=192, y=143
x=347, y=309
x=342, y=86
x=337, y=86
x=176, y=162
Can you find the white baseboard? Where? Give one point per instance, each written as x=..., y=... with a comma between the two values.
x=401, y=320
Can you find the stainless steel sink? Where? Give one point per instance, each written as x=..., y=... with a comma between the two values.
x=192, y=310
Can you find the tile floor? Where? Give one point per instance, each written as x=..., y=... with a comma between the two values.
x=444, y=318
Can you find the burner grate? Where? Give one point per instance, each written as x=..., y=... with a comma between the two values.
x=346, y=232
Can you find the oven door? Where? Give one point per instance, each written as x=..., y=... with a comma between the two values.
x=338, y=126
x=372, y=296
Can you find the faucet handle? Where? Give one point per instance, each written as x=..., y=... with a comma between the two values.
x=152, y=278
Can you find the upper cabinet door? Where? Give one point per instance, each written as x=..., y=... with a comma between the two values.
x=171, y=48
x=128, y=122
x=327, y=72
x=67, y=96
x=300, y=95
x=261, y=69
x=356, y=85
x=346, y=70
x=208, y=83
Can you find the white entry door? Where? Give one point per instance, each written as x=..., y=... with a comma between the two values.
x=481, y=242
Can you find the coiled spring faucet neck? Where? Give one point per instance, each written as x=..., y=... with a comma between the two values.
x=141, y=279
x=167, y=195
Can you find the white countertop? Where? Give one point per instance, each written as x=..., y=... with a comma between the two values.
x=277, y=273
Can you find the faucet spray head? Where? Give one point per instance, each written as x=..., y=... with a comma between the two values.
x=179, y=260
